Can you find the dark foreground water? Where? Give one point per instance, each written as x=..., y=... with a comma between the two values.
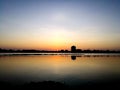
x=70, y=69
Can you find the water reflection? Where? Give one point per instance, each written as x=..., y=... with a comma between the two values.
x=73, y=57
x=86, y=68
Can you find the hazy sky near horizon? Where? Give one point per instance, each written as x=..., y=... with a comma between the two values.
x=58, y=24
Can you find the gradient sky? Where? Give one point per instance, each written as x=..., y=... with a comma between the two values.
x=58, y=24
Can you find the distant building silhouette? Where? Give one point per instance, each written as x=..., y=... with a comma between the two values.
x=78, y=50
x=73, y=49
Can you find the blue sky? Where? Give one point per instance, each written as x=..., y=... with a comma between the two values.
x=56, y=24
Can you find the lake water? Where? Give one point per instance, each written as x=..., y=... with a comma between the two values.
x=71, y=69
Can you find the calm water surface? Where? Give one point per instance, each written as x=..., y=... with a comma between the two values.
x=69, y=69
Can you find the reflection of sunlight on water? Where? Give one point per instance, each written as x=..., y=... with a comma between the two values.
x=55, y=67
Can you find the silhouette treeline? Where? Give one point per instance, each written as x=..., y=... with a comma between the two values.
x=52, y=85
x=59, y=51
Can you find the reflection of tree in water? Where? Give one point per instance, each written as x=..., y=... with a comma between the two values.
x=73, y=57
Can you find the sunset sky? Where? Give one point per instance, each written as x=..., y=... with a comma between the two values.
x=58, y=24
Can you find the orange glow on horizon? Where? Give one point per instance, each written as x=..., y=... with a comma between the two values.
x=58, y=43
